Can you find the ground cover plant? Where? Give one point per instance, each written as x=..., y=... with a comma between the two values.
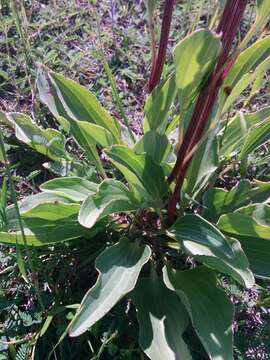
x=147, y=208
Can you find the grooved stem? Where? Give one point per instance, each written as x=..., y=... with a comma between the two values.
x=228, y=27
x=157, y=65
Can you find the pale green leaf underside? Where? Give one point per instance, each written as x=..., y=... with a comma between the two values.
x=66, y=98
x=112, y=197
x=119, y=267
x=195, y=228
x=236, y=266
x=74, y=188
x=49, y=142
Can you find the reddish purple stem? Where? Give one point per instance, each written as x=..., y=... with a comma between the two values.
x=228, y=27
x=157, y=67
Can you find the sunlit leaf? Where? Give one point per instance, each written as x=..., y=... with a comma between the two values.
x=210, y=310
x=155, y=145
x=112, y=197
x=162, y=318
x=49, y=142
x=195, y=228
x=119, y=267
x=158, y=105
x=144, y=175
x=66, y=98
x=194, y=59
x=251, y=226
x=234, y=134
x=75, y=188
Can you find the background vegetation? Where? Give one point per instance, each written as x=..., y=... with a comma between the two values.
x=64, y=36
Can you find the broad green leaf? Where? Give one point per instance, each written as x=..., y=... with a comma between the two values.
x=259, y=212
x=71, y=168
x=237, y=129
x=119, y=267
x=254, y=236
x=87, y=135
x=92, y=132
x=75, y=188
x=66, y=98
x=255, y=138
x=263, y=15
x=162, y=319
x=210, y=310
x=236, y=266
x=246, y=62
x=195, y=228
x=112, y=197
x=194, y=58
x=244, y=82
x=158, y=104
x=202, y=167
x=53, y=211
x=32, y=201
x=49, y=142
x=155, y=145
x=240, y=224
x=144, y=175
x=220, y=201
x=40, y=231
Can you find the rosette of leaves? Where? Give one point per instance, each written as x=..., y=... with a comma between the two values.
x=225, y=232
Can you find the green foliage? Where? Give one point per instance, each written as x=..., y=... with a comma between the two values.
x=162, y=318
x=119, y=268
x=112, y=197
x=211, y=313
x=197, y=54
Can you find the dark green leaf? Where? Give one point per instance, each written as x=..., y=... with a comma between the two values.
x=251, y=227
x=210, y=310
x=219, y=201
x=162, y=318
